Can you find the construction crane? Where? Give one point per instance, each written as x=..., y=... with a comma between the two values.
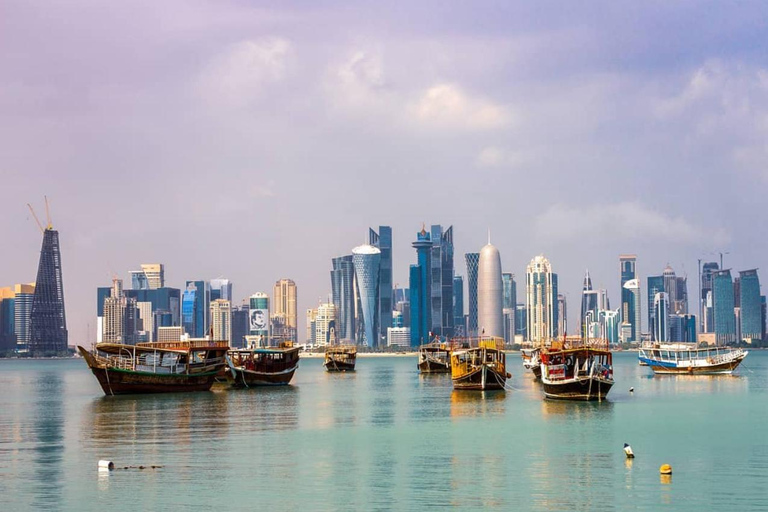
x=36, y=219
x=48, y=213
x=47, y=216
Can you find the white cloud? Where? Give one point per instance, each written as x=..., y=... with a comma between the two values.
x=448, y=106
x=237, y=75
x=360, y=79
x=626, y=221
x=492, y=156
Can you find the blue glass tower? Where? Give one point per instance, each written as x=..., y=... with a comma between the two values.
x=343, y=292
x=195, y=308
x=655, y=285
x=383, y=240
x=367, y=262
x=441, y=275
x=473, y=261
x=420, y=286
x=630, y=299
x=751, y=309
x=725, y=320
x=458, y=306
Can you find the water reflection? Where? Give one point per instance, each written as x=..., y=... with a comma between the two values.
x=381, y=384
x=575, y=411
x=48, y=431
x=477, y=403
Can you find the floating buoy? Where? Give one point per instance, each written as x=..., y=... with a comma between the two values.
x=106, y=465
x=628, y=451
x=631, y=390
x=665, y=469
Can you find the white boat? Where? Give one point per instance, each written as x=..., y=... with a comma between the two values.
x=682, y=358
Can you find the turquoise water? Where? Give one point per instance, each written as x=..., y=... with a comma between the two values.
x=384, y=437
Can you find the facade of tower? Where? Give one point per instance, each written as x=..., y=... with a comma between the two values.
x=420, y=290
x=150, y=277
x=196, y=308
x=367, y=261
x=490, y=292
x=459, y=329
x=258, y=316
x=630, y=300
x=751, y=306
x=589, y=299
x=48, y=322
x=221, y=289
x=707, y=300
x=284, y=315
x=655, y=285
x=324, y=323
x=725, y=320
x=660, y=326
x=472, y=260
x=510, y=290
x=441, y=276
x=562, y=315
x=383, y=241
x=343, y=292
x=221, y=320
x=541, y=300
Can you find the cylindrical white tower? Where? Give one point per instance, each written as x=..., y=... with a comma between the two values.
x=490, y=318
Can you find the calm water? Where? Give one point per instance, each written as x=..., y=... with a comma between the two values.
x=384, y=438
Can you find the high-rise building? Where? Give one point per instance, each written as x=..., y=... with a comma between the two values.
x=16, y=309
x=490, y=291
x=420, y=288
x=660, y=326
x=284, y=314
x=325, y=324
x=311, y=325
x=383, y=241
x=707, y=300
x=367, y=260
x=609, y=325
x=221, y=319
x=630, y=297
x=196, y=308
x=724, y=318
x=472, y=260
x=399, y=337
x=240, y=325
x=48, y=322
x=343, y=292
x=120, y=316
x=521, y=321
x=541, y=303
x=655, y=285
x=150, y=277
x=459, y=329
x=146, y=321
x=221, y=289
x=441, y=277
x=751, y=306
x=509, y=299
x=589, y=299
x=259, y=317
x=562, y=315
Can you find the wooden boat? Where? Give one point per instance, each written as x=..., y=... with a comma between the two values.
x=163, y=367
x=532, y=360
x=582, y=372
x=681, y=358
x=479, y=364
x=434, y=357
x=265, y=366
x=340, y=358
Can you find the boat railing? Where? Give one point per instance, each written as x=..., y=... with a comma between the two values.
x=184, y=345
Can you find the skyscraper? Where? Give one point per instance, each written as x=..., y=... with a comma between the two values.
x=751, y=308
x=221, y=289
x=707, y=300
x=325, y=324
x=196, y=308
x=17, y=312
x=120, y=316
x=343, y=291
x=655, y=285
x=367, y=260
x=724, y=319
x=441, y=275
x=48, y=322
x=589, y=299
x=420, y=288
x=258, y=315
x=383, y=241
x=490, y=317
x=221, y=319
x=562, y=315
x=510, y=290
x=472, y=259
x=541, y=303
x=630, y=297
x=660, y=325
x=240, y=325
x=459, y=329
x=284, y=314
x=150, y=277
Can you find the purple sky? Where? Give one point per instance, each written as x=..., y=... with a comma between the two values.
x=256, y=142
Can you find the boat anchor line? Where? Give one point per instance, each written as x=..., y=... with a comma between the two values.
x=504, y=384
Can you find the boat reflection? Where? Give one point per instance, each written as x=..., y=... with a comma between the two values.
x=477, y=403
x=562, y=409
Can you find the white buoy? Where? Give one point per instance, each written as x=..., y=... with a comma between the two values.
x=106, y=465
x=628, y=451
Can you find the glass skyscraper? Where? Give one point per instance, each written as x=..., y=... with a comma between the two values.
x=655, y=285
x=541, y=301
x=383, y=240
x=473, y=261
x=725, y=320
x=509, y=294
x=420, y=288
x=48, y=333
x=630, y=297
x=458, y=306
x=343, y=292
x=660, y=326
x=588, y=304
x=367, y=262
x=751, y=309
x=441, y=276
x=195, y=308
x=707, y=300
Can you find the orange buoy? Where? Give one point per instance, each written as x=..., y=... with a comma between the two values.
x=665, y=469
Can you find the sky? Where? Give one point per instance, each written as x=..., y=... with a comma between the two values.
x=256, y=141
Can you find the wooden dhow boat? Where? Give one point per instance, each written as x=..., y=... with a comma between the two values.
x=479, y=364
x=532, y=360
x=161, y=367
x=340, y=358
x=688, y=359
x=576, y=370
x=434, y=357
x=262, y=366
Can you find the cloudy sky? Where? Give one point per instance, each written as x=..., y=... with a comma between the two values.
x=256, y=141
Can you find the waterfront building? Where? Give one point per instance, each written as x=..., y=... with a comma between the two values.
x=150, y=277
x=562, y=315
x=196, y=308
x=441, y=281
x=259, y=317
x=284, y=315
x=145, y=325
x=399, y=337
x=420, y=288
x=48, y=333
x=170, y=334
x=7, y=324
x=221, y=320
x=397, y=319
x=490, y=316
x=221, y=289
x=383, y=241
x=660, y=326
x=311, y=325
x=343, y=290
x=164, y=309
x=472, y=260
x=509, y=325
x=459, y=329
x=630, y=300
x=325, y=324
x=240, y=325
x=589, y=299
x=707, y=300
x=509, y=295
x=724, y=318
x=751, y=306
x=16, y=304
x=655, y=285
x=367, y=260
x=609, y=325
x=521, y=321
x=120, y=316
x=541, y=303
